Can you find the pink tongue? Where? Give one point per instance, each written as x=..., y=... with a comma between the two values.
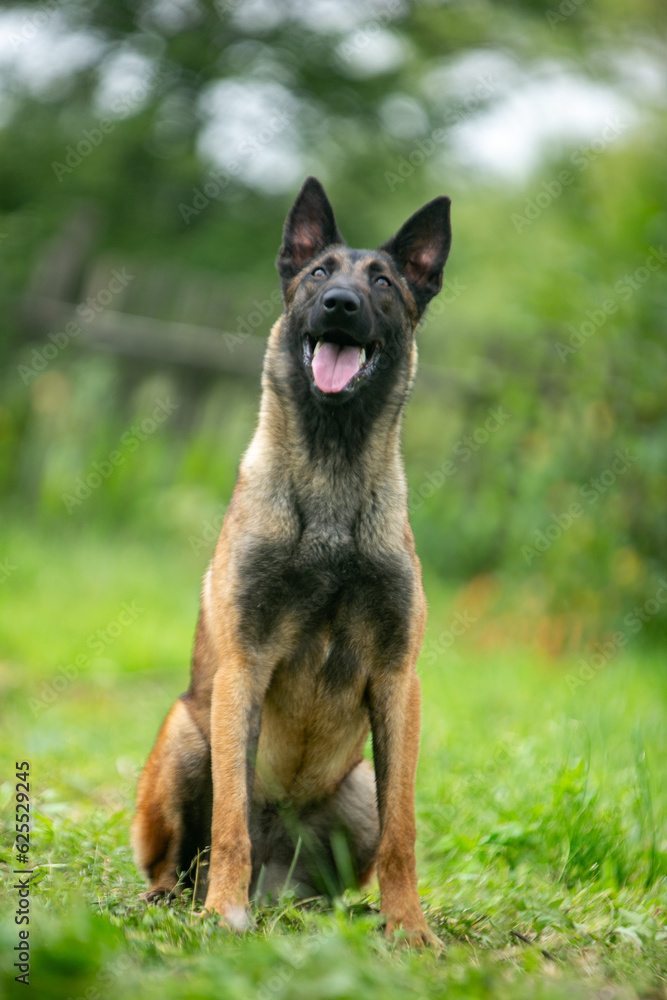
x=334, y=366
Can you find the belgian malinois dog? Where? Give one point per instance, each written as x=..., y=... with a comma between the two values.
x=312, y=610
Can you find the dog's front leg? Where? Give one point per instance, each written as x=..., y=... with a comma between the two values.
x=395, y=712
x=236, y=711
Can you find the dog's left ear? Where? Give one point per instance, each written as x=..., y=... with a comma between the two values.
x=310, y=228
x=421, y=247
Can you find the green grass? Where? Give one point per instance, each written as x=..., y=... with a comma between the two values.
x=541, y=810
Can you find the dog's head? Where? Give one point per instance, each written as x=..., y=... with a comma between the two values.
x=350, y=315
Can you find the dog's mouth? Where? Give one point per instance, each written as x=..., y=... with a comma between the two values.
x=338, y=361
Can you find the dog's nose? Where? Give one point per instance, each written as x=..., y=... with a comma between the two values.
x=341, y=301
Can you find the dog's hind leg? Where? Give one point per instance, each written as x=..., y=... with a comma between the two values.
x=173, y=818
x=336, y=838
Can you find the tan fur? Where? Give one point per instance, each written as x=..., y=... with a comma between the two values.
x=157, y=827
x=311, y=740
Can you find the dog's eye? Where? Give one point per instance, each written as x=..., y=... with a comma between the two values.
x=319, y=272
x=382, y=282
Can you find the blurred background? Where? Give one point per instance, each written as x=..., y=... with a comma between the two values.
x=150, y=151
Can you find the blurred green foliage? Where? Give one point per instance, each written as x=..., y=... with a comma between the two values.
x=550, y=318
x=534, y=445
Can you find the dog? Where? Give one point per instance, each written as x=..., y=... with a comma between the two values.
x=312, y=611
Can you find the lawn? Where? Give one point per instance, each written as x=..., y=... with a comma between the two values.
x=541, y=804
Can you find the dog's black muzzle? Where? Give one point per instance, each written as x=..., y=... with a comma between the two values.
x=342, y=314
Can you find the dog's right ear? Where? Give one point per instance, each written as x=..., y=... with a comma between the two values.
x=310, y=228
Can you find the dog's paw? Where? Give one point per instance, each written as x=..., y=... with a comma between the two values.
x=157, y=895
x=413, y=931
x=238, y=918
x=233, y=915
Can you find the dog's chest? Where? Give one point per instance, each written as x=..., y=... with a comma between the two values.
x=325, y=583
